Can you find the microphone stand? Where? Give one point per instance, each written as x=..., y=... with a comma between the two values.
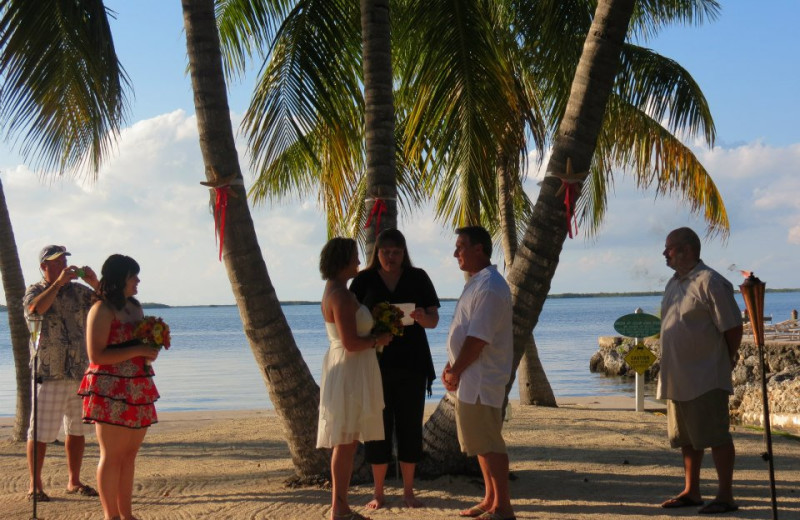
x=35, y=328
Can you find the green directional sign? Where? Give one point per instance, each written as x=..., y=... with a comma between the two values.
x=638, y=325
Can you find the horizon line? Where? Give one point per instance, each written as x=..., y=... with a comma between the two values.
x=565, y=295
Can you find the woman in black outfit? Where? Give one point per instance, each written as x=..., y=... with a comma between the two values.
x=406, y=364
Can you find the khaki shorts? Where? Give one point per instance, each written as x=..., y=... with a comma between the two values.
x=479, y=428
x=703, y=422
x=57, y=404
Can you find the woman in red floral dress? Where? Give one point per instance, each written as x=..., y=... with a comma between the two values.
x=117, y=389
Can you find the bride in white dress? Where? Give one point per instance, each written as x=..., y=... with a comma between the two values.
x=351, y=394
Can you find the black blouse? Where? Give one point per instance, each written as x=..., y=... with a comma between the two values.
x=410, y=352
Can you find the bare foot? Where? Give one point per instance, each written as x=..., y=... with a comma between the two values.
x=411, y=501
x=376, y=502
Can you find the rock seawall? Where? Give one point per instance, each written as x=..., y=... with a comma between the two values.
x=782, y=359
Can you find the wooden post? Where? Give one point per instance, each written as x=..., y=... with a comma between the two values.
x=639, y=377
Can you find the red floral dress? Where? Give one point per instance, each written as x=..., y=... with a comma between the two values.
x=122, y=394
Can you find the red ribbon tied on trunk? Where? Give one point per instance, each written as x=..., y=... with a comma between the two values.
x=571, y=187
x=571, y=192
x=220, y=210
x=378, y=209
x=222, y=192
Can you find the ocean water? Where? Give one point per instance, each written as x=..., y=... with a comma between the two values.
x=211, y=367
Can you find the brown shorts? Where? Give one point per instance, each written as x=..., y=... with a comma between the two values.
x=703, y=422
x=479, y=428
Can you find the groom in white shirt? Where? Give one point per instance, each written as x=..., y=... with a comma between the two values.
x=480, y=350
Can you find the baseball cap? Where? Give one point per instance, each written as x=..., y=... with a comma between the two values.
x=52, y=252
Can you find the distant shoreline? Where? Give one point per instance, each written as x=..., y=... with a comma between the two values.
x=152, y=305
x=550, y=296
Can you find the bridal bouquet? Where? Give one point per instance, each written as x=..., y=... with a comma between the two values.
x=152, y=331
x=388, y=318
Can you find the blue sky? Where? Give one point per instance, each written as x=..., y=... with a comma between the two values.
x=744, y=62
x=148, y=202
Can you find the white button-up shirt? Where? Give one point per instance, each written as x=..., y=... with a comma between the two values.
x=696, y=310
x=484, y=311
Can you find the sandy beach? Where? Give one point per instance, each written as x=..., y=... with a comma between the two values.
x=591, y=458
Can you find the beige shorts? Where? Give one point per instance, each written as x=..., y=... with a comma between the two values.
x=704, y=422
x=57, y=404
x=479, y=428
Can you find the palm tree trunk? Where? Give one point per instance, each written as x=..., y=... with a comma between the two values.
x=537, y=258
x=14, y=287
x=505, y=201
x=534, y=388
x=291, y=387
x=442, y=453
x=379, y=118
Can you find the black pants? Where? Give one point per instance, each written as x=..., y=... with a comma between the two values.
x=404, y=398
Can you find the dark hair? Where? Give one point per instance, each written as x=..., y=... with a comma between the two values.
x=115, y=273
x=389, y=237
x=335, y=256
x=477, y=235
x=687, y=236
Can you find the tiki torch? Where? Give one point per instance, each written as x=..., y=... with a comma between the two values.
x=753, y=293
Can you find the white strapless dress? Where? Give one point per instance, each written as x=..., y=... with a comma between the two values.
x=351, y=392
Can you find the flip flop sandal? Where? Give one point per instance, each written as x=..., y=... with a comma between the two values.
x=83, y=490
x=472, y=512
x=494, y=516
x=681, y=501
x=352, y=515
x=41, y=496
x=716, y=507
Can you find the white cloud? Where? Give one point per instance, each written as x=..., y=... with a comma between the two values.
x=760, y=187
x=148, y=203
x=794, y=234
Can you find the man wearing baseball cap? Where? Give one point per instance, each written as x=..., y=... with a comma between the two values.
x=62, y=360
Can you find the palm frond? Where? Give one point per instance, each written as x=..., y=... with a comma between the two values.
x=551, y=33
x=633, y=140
x=293, y=173
x=247, y=29
x=469, y=98
x=665, y=90
x=312, y=80
x=651, y=16
x=63, y=91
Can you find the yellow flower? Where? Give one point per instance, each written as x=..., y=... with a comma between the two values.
x=387, y=319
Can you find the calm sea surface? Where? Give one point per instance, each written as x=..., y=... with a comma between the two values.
x=210, y=365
